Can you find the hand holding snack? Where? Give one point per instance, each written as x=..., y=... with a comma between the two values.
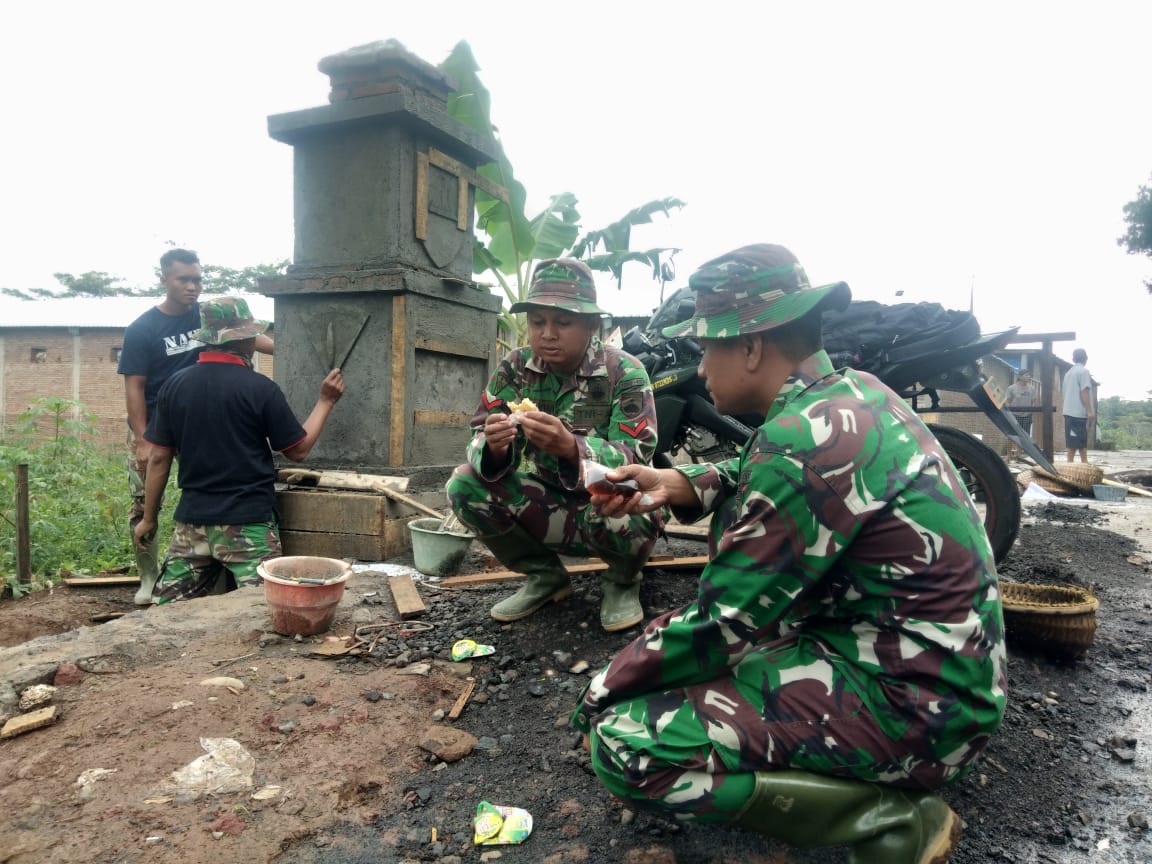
x=597, y=483
x=523, y=405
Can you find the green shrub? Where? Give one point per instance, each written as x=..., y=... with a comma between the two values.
x=77, y=495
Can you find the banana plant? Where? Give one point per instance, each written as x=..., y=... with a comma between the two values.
x=508, y=243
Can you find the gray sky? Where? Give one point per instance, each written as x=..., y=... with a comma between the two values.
x=941, y=150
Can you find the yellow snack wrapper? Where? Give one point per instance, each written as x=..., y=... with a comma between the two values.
x=466, y=648
x=500, y=826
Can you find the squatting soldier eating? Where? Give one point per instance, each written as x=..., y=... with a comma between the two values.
x=523, y=490
x=844, y=657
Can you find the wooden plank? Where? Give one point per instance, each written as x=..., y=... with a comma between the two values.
x=394, y=541
x=334, y=512
x=341, y=479
x=399, y=384
x=687, y=532
x=593, y=566
x=409, y=603
x=458, y=708
x=28, y=722
x=102, y=581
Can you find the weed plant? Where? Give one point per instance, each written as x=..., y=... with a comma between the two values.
x=77, y=496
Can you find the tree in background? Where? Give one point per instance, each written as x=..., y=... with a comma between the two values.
x=1125, y=424
x=217, y=280
x=1138, y=238
x=515, y=242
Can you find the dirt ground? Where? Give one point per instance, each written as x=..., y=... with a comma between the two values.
x=339, y=775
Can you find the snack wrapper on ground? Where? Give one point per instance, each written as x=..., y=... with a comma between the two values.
x=596, y=481
x=466, y=648
x=500, y=826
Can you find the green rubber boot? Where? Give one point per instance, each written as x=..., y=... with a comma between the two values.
x=547, y=580
x=149, y=572
x=620, y=607
x=880, y=824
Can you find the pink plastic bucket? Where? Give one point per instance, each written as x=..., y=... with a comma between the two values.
x=303, y=592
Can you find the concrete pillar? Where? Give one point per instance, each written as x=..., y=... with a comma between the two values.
x=384, y=199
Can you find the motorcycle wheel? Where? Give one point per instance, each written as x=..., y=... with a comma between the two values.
x=990, y=484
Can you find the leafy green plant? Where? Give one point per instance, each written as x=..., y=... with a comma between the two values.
x=511, y=242
x=77, y=495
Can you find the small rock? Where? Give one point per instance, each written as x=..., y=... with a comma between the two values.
x=494, y=855
x=536, y=689
x=447, y=743
x=280, y=679
x=438, y=715
x=297, y=638
x=223, y=681
x=217, y=835
x=579, y=667
x=35, y=696
x=67, y=675
x=627, y=817
x=373, y=696
x=486, y=742
x=308, y=700
x=288, y=726
x=1138, y=821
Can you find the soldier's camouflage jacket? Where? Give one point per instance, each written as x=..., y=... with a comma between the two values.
x=853, y=536
x=607, y=403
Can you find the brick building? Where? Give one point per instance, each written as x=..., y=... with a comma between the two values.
x=69, y=348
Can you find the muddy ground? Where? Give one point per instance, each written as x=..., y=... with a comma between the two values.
x=339, y=775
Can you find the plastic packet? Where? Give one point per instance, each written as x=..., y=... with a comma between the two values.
x=495, y=825
x=225, y=767
x=466, y=648
x=596, y=481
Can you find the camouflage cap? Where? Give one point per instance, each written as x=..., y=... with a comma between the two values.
x=562, y=283
x=226, y=319
x=752, y=289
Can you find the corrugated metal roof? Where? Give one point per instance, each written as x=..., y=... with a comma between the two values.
x=98, y=311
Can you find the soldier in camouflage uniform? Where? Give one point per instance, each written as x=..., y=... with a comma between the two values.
x=844, y=656
x=522, y=489
x=225, y=420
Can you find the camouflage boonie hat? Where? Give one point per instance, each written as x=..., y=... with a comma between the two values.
x=562, y=283
x=226, y=319
x=752, y=289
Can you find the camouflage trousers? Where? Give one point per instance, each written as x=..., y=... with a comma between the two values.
x=692, y=751
x=215, y=559
x=560, y=519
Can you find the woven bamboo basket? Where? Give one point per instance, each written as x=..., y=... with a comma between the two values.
x=1055, y=485
x=1057, y=620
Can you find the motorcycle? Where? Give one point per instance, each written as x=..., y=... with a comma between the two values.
x=689, y=425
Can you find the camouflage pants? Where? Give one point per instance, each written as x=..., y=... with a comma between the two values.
x=214, y=559
x=562, y=520
x=692, y=751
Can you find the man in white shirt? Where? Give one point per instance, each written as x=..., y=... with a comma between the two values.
x=1078, y=409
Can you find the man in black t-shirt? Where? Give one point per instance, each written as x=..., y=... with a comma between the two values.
x=225, y=420
x=157, y=345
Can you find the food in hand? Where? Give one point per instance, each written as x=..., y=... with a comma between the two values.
x=627, y=488
x=596, y=481
x=523, y=405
